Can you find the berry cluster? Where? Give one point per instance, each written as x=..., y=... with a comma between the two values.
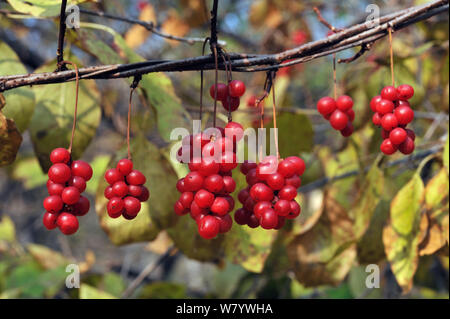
x=393, y=113
x=339, y=112
x=269, y=198
x=229, y=94
x=205, y=190
x=126, y=190
x=67, y=181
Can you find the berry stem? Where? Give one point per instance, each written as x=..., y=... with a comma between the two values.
x=275, y=132
x=392, y=56
x=216, y=63
x=77, y=85
x=133, y=87
x=201, y=82
x=334, y=76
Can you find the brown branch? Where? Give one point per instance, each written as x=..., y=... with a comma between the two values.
x=325, y=22
x=354, y=36
x=62, y=31
x=364, y=48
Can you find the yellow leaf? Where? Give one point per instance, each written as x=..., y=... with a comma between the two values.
x=137, y=35
x=88, y=292
x=437, y=189
x=434, y=240
x=174, y=25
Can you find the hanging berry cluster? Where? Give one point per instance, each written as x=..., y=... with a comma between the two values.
x=269, y=198
x=126, y=190
x=393, y=113
x=229, y=95
x=205, y=190
x=67, y=181
x=339, y=112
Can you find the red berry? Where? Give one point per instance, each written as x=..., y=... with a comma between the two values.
x=338, y=120
x=411, y=134
x=55, y=189
x=225, y=223
x=376, y=119
x=266, y=167
x=351, y=115
x=252, y=102
x=81, y=207
x=230, y=201
x=374, y=102
x=115, y=207
x=209, y=227
x=404, y=115
x=186, y=199
x=398, y=136
x=220, y=206
x=236, y=88
x=282, y=207
x=197, y=211
x=70, y=195
x=294, y=181
x=229, y=184
x=78, y=182
x=252, y=177
x=348, y=130
x=193, y=182
x=275, y=181
x=389, y=122
x=402, y=103
x=269, y=219
x=247, y=166
x=180, y=185
x=243, y=195
x=385, y=106
x=179, y=208
x=249, y=204
x=144, y=195
x=344, y=103
x=326, y=105
x=134, y=190
x=204, y=199
x=222, y=91
x=405, y=92
x=228, y=162
x=281, y=222
x=261, y=192
x=298, y=163
x=288, y=192
x=231, y=103
x=60, y=155
x=253, y=221
x=113, y=175
x=109, y=192
x=287, y=168
x=234, y=131
x=136, y=178
x=125, y=166
x=241, y=216
x=261, y=207
x=120, y=189
x=387, y=147
x=82, y=169
x=384, y=134
x=209, y=167
x=132, y=205
x=295, y=210
x=389, y=93
x=126, y=216
x=407, y=147
x=67, y=223
x=49, y=220
x=59, y=173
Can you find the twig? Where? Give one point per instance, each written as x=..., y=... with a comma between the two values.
x=62, y=32
x=213, y=37
x=325, y=22
x=348, y=38
x=147, y=271
x=364, y=48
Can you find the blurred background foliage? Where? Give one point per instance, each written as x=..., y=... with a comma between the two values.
x=393, y=216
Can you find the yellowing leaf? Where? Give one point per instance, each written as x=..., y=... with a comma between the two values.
x=7, y=229
x=89, y=292
x=40, y=8
x=138, y=34
x=434, y=240
x=46, y=257
x=10, y=140
x=445, y=154
x=436, y=190
x=174, y=25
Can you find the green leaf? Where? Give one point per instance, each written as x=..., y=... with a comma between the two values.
x=28, y=171
x=155, y=214
x=40, y=8
x=7, y=229
x=436, y=190
x=99, y=166
x=163, y=290
x=51, y=125
x=46, y=257
x=20, y=102
x=88, y=292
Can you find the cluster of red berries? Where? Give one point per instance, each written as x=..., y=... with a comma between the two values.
x=229, y=95
x=126, y=190
x=393, y=113
x=339, y=112
x=67, y=181
x=269, y=198
x=205, y=190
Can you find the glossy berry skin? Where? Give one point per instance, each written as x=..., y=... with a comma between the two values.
x=220, y=206
x=180, y=186
x=59, y=173
x=389, y=93
x=67, y=223
x=78, y=182
x=108, y=192
x=234, y=131
x=136, y=178
x=295, y=210
x=241, y=216
x=53, y=204
x=81, y=207
x=193, y=182
x=55, y=189
x=125, y=166
x=179, y=209
x=407, y=147
x=376, y=119
x=60, y=155
x=269, y=219
x=236, y=88
x=261, y=192
x=115, y=207
x=338, y=120
x=385, y=106
x=134, y=190
x=243, y=195
x=261, y=207
x=374, y=102
x=186, y=199
x=49, y=220
x=82, y=169
x=411, y=134
x=288, y=193
x=204, y=199
x=389, y=122
x=405, y=92
x=404, y=115
x=120, y=189
x=209, y=167
x=287, y=168
x=348, y=130
x=231, y=103
x=145, y=195
x=294, y=181
x=326, y=105
x=344, y=103
x=113, y=175
x=132, y=205
x=209, y=227
x=247, y=166
x=70, y=195
x=351, y=114
x=299, y=164
x=253, y=221
x=282, y=207
x=222, y=91
x=275, y=181
x=387, y=147
x=226, y=223
x=229, y=184
x=398, y=136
